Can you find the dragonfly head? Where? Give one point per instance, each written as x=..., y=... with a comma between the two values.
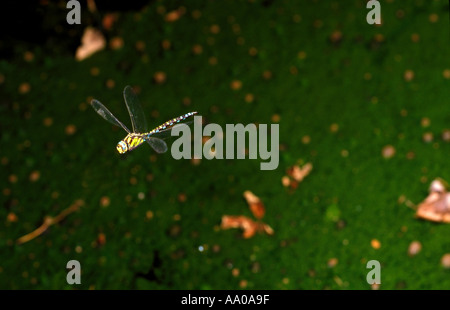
x=122, y=147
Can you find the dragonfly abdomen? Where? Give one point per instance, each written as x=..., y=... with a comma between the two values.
x=170, y=123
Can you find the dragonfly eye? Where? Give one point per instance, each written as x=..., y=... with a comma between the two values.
x=122, y=147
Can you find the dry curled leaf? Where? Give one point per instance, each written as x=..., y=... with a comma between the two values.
x=239, y=221
x=249, y=226
x=91, y=42
x=436, y=206
x=299, y=174
x=255, y=204
x=295, y=175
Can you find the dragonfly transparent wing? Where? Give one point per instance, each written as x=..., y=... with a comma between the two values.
x=137, y=115
x=157, y=144
x=106, y=114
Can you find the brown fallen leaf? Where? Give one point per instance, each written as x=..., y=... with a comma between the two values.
x=91, y=42
x=436, y=206
x=49, y=221
x=249, y=226
x=299, y=173
x=255, y=204
x=295, y=175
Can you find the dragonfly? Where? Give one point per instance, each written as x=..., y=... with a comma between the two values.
x=140, y=133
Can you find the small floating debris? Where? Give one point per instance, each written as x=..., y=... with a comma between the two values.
x=414, y=248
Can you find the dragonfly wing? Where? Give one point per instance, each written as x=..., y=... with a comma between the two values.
x=135, y=110
x=157, y=144
x=106, y=114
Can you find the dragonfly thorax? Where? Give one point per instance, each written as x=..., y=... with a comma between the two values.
x=130, y=142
